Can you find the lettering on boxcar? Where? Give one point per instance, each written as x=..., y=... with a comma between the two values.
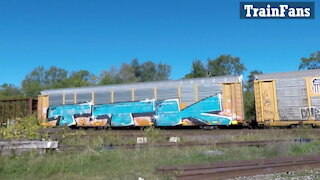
x=266, y=98
x=267, y=103
x=316, y=86
x=310, y=113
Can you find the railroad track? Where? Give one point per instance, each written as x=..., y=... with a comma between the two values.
x=233, y=169
x=185, y=144
x=170, y=132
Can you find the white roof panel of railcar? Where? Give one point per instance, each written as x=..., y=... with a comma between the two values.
x=289, y=75
x=144, y=85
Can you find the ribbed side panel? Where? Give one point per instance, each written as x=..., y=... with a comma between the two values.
x=188, y=94
x=69, y=99
x=84, y=97
x=55, y=99
x=209, y=90
x=292, y=96
x=167, y=93
x=102, y=97
x=315, y=102
x=122, y=96
x=142, y=94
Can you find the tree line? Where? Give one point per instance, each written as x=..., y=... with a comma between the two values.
x=41, y=78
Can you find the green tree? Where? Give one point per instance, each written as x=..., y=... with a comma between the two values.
x=54, y=77
x=109, y=77
x=163, y=71
x=126, y=74
x=10, y=91
x=148, y=71
x=198, y=70
x=135, y=72
x=105, y=78
x=225, y=65
x=312, y=62
x=80, y=79
x=251, y=77
x=248, y=97
x=136, y=68
x=40, y=79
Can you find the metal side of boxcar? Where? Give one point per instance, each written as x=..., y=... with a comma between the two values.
x=115, y=103
x=285, y=99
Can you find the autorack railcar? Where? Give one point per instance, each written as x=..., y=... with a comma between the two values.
x=211, y=101
x=288, y=98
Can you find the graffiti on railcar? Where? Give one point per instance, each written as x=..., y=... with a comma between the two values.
x=140, y=113
x=267, y=102
x=286, y=114
x=126, y=114
x=310, y=113
x=67, y=114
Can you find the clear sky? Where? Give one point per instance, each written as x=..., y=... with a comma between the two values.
x=96, y=34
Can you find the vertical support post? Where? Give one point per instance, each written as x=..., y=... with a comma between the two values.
x=308, y=92
x=132, y=94
x=275, y=102
x=155, y=94
x=75, y=98
x=112, y=96
x=308, y=96
x=92, y=97
x=63, y=98
x=179, y=93
x=196, y=89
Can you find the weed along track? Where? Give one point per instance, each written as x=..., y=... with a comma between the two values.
x=234, y=169
x=181, y=145
x=174, y=132
x=139, y=152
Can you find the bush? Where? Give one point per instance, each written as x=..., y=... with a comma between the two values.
x=22, y=128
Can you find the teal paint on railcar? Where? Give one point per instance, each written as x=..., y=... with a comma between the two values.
x=168, y=113
x=121, y=113
x=205, y=112
x=127, y=107
x=66, y=113
x=122, y=119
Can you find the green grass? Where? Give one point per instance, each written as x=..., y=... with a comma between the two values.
x=132, y=164
x=94, y=163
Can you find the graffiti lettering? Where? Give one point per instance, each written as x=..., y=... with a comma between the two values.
x=310, y=113
x=268, y=112
x=266, y=98
x=141, y=113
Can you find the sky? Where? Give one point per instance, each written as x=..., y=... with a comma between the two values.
x=97, y=34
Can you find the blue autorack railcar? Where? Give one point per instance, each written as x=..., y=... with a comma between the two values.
x=187, y=102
